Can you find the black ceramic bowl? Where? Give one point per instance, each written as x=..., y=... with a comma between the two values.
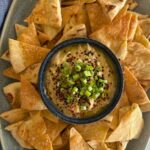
x=48, y=102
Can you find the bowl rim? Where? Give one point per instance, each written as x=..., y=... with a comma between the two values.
x=47, y=100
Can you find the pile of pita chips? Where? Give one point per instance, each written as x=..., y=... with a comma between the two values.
x=114, y=24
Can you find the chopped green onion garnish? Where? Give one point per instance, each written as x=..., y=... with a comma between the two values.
x=87, y=93
x=87, y=73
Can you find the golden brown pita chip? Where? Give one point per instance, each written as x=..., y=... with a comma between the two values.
x=73, y=2
x=31, y=73
x=68, y=12
x=97, y=145
x=23, y=55
x=130, y=126
x=132, y=4
x=145, y=26
x=12, y=93
x=115, y=34
x=122, y=145
x=49, y=116
x=6, y=56
x=10, y=73
x=14, y=131
x=81, y=17
x=133, y=26
x=137, y=60
x=145, y=107
x=46, y=12
x=96, y=16
x=43, y=38
x=141, y=38
x=135, y=92
x=30, y=98
x=112, y=146
x=145, y=84
x=54, y=129
x=14, y=115
x=76, y=31
x=77, y=142
x=112, y=7
x=94, y=131
x=51, y=31
x=33, y=131
x=27, y=34
x=58, y=141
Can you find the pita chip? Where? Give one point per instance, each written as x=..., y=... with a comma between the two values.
x=114, y=35
x=23, y=55
x=27, y=34
x=31, y=73
x=94, y=131
x=76, y=31
x=46, y=12
x=54, y=129
x=145, y=26
x=145, y=84
x=141, y=38
x=33, y=131
x=30, y=98
x=112, y=7
x=5, y=56
x=12, y=93
x=14, y=115
x=135, y=91
x=133, y=26
x=81, y=17
x=77, y=142
x=10, y=73
x=132, y=123
x=98, y=145
x=49, y=116
x=137, y=60
x=96, y=16
x=58, y=141
x=43, y=37
x=13, y=128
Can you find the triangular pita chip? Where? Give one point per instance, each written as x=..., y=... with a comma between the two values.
x=33, y=131
x=141, y=38
x=135, y=91
x=14, y=131
x=112, y=7
x=133, y=26
x=12, y=93
x=115, y=34
x=14, y=115
x=58, y=141
x=31, y=73
x=130, y=126
x=96, y=16
x=145, y=26
x=10, y=73
x=98, y=145
x=68, y=12
x=51, y=31
x=30, y=98
x=76, y=31
x=137, y=60
x=46, y=12
x=27, y=34
x=145, y=84
x=6, y=56
x=145, y=107
x=94, y=131
x=81, y=17
x=54, y=129
x=49, y=116
x=23, y=55
x=73, y=2
x=77, y=142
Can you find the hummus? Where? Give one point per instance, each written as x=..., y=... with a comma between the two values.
x=80, y=80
